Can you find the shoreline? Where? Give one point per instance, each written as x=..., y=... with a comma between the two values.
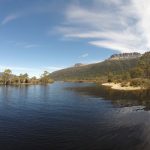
x=19, y=84
x=117, y=86
x=113, y=86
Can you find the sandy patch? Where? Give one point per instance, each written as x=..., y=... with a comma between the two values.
x=117, y=86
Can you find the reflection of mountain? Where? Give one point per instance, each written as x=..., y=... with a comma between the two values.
x=118, y=98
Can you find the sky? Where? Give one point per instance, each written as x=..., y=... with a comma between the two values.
x=38, y=35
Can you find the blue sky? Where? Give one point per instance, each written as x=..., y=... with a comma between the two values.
x=38, y=35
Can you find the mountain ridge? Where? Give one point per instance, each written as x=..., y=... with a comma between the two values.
x=100, y=69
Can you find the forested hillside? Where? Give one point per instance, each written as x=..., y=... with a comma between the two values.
x=95, y=70
x=142, y=70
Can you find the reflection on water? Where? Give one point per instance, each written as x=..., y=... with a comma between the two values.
x=119, y=98
x=73, y=116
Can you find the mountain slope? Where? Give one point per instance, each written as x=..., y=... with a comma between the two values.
x=95, y=70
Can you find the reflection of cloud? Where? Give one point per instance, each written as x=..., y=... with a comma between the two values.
x=130, y=116
x=131, y=109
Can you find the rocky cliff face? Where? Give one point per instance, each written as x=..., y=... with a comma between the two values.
x=125, y=56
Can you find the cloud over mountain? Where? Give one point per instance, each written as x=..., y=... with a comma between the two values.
x=114, y=24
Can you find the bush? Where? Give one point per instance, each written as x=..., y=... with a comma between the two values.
x=147, y=84
x=139, y=82
x=124, y=84
x=109, y=80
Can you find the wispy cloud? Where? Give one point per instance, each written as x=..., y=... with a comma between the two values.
x=114, y=24
x=84, y=55
x=9, y=18
x=18, y=68
x=52, y=68
x=31, y=46
x=23, y=44
x=32, y=9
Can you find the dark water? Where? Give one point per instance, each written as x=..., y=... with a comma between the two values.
x=73, y=116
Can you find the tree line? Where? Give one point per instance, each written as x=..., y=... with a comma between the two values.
x=8, y=78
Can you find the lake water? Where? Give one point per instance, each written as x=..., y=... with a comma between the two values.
x=73, y=116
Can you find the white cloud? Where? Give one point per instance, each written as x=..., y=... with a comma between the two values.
x=37, y=8
x=52, y=68
x=115, y=24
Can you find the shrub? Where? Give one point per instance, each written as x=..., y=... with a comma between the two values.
x=124, y=84
x=139, y=82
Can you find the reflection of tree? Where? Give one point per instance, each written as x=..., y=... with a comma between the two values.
x=118, y=98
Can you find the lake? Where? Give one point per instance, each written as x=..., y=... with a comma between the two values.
x=73, y=116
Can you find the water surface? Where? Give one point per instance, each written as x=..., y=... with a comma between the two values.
x=73, y=116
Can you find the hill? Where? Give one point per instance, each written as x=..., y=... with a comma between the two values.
x=97, y=70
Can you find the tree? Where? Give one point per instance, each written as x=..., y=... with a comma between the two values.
x=136, y=72
x=20, y=78
x=126, y=76
x=110, y=77
x=25, y=78
x=34, y=80
x=45, y=77
x=6, y=77
x=15, y=80
x=144, y=64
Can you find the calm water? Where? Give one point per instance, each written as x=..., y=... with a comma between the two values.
x=73, y=116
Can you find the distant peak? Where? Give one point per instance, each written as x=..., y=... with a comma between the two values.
x=79, y=65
